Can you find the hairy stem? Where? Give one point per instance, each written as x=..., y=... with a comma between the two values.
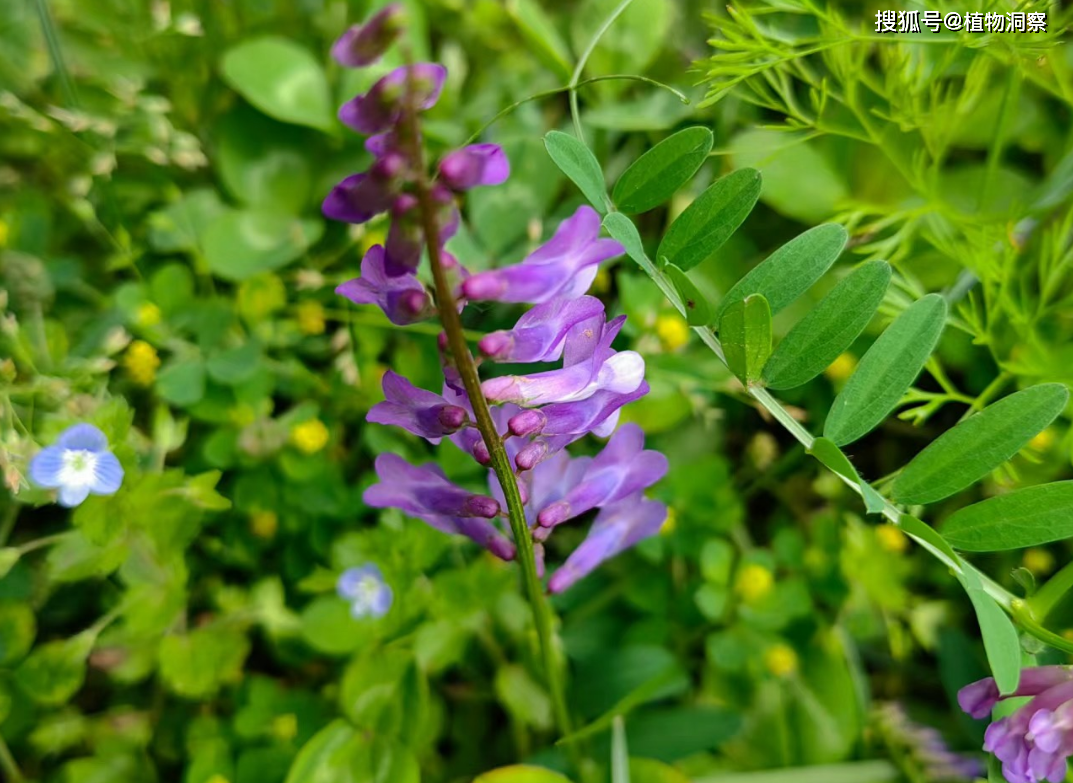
x=500, y=462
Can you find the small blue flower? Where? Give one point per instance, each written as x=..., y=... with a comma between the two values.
x=364, y=588
x=77, y=464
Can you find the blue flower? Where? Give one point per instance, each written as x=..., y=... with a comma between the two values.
x=77, y=464
x=364, y=588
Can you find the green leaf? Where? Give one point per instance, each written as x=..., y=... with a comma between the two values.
x=710, y=220
x=241, y=243
x=623, y=229
x=540, y=33
x=17, y=630
x=281, y=79
x=520, y=773
x=9, y=555
x=198, y=664
x=792, y=269
x=262, y=163
x=831, y=456
x=847, y=772
x=979, y=444
x=829, y=328
x=1001, y=643
x=525, y=700
x=928, y=535
x=577, y=162
x=887, y=371
x=698, y=309
x=620, y=753
x=1026, y=517
x=655, y=176
x=652, y=771
x=54, y=672
x=232, y=366
x=182, y=383
x=745, y=330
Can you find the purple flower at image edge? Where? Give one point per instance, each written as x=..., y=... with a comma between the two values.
x=364, y=44
x=78, y=464
x=1035, y=742
x=365, y=590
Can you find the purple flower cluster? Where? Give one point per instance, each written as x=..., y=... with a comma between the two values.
x=536, y=415
x=1035, y=742
x=924, y=748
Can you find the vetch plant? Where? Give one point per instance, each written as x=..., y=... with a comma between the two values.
x=534, y=486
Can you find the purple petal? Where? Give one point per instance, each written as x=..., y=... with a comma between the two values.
x=356, y=199
x=402, y=298
x=45, y=467
x=108, y=474
x=424, y=413
x=347, y=584
x=381, y=107
x=365, y=44
x=83, y=437
x=540, y=334
x=477, y=164
x=424, y=491
x=72, y=495
x=564, y=266
x=617, y=528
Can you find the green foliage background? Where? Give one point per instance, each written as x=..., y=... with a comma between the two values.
x=162, y=168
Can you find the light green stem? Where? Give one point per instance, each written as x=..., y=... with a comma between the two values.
x=575, y=79
x=9, y=765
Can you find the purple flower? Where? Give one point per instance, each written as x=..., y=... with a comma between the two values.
x=381, y=107
x=1035, y=742
x=540, y=334
x=77, y=464
x=365, y=590
x=590, y=365
x=622, y=469
x=617, y=527
x=406, y=237
x=365, y=44
x=402, y=298
x=358, y=198
x=426, y=493
x=477, y=164
x=564, y=266
x=421, y=412
x=922, y=748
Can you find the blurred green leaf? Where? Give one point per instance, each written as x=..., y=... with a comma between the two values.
x=540, y=33
x=710, y=220
x=745, y=330
x=182, y=383
x=578, y=163
x=54, y=672
x=1025, y=517
x=18, y=626
x=523, y=697
x=655, y=176
x=521, y=773
x=239, y=244
x=887, y=371
x=830, y=455
x=829, y=328
x=282, y=79
x=196, y=665
x=264, y=164
x=979, y=444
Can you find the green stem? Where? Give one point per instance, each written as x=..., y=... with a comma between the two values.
x=575, y=79
x=1051, y=593
x=9, y=765
x=500, y=462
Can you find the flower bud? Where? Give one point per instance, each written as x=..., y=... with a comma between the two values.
x=365, y=44
x=526, y=423
x=477, y=164
x=452, y=417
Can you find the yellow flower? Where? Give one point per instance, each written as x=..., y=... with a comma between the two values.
x=141, y=361
x=148, y=315
x=264, y=524
x=780, y=660
x=285, y=727
x=310, y=317
x=1039, y=561
x=753, y=583
x=310, y=436
x=670, y=523
x=1044, y=440
x=841, y=368
x=673, y=331
x=4, y=232
x=892, y=538
x=372, y=235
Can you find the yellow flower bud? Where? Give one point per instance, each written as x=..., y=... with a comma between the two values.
x=1044, y=440
x=781, y=660
x=310, y=317
x=264, y=524
x=148, y=315
x=670, y=523
x=141, y=362
x=892, y=539
x=1039, y=561
x=841, y=368
x=672, y=330
x=310, y=436
x=372, y=235
x=753, y=583
x=285, y=727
